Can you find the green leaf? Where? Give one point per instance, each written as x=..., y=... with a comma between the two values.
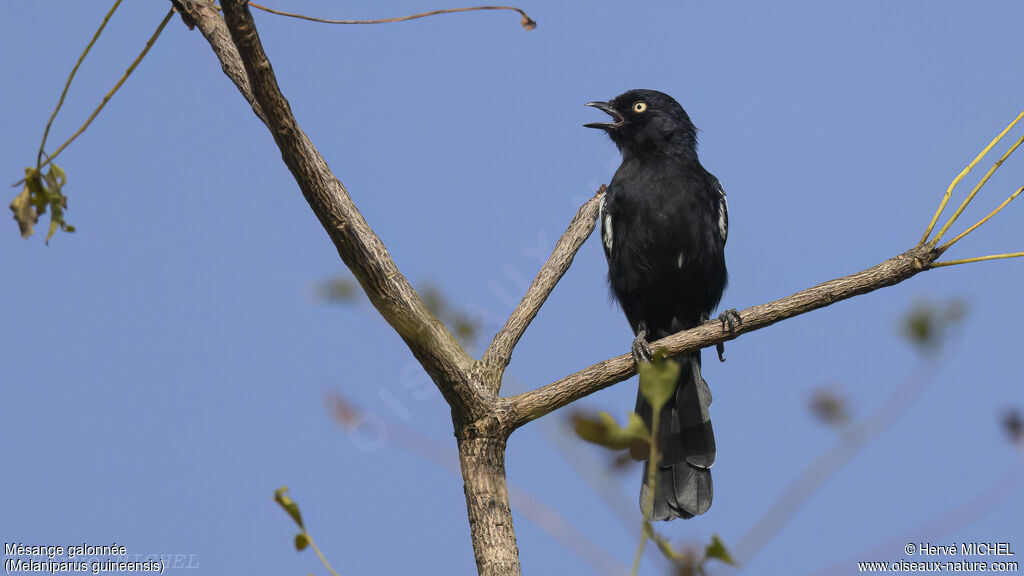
x=605, y=431
x=42, y=192
x=289, y=505
x=58, y=201
x=59, y=172
x=339, y=289
x=927, y=324
x=53, y=228
x=716, y=551
x=658, y=380
x=829, y=406
x=301, y=541
x=465, y=327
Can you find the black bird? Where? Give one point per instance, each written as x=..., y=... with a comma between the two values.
x=664, y=222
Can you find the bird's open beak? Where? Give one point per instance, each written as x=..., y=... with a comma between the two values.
x=606, y=108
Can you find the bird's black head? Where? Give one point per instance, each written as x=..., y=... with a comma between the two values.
x=647, y=121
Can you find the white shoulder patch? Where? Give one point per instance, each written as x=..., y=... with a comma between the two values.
x=606, y=225
x=723, y=214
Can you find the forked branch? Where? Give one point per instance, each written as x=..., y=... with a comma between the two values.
x=962, y=175
x=974, y=192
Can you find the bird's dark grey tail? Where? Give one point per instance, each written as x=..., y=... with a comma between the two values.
x=687, y=446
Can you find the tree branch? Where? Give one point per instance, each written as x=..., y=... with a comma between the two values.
x=529, y=406
x=205, y=15
x=499, y=352
x=359, y=247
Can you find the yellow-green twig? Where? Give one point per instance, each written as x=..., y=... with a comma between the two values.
x=109, y=95
x=976, y=259
x=323, y=559
x=982, y=221
x=67, y=85
x=967, y=170
x=981, y=183
x=527, y=22
x=639, y=552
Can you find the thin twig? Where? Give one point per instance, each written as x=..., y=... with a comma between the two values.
x=323, y=559
x=664, y=546
x=527, y=22
x=67, y=85
x=983, y=220
x=109, y=95
x=975, y=259
x=974, y=192
x=639, y=552
x=967, y=170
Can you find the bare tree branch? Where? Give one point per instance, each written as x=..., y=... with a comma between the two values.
x=205, y=15
x=359, y=247
x=499, y=352
x=532, y=405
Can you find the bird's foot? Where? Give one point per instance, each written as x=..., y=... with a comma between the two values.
x=730, y=318
x=641, y=349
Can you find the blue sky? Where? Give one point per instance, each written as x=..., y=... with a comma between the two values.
x=166, y=365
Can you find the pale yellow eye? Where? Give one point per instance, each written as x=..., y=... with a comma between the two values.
x=640, y=107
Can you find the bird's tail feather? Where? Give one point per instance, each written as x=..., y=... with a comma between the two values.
x=686, y=443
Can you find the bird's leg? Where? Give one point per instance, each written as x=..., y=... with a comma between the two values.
x=731, y=318
x=641, y=348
